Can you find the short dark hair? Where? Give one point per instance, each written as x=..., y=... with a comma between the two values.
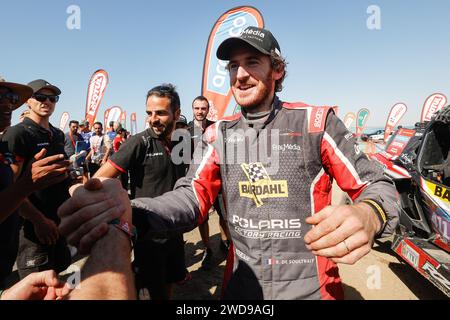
x=111, y=123
x=99, y=123
x=73, y=121
x=200, y=98
x=166, y=90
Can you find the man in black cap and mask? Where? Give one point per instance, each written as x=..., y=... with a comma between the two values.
x=41, y=247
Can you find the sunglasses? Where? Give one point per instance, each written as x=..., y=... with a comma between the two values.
x=42, y=97
x=12, y=97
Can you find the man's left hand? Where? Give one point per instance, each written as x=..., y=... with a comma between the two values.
x=343, y=233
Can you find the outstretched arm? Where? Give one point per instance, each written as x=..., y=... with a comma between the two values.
x=346, y=233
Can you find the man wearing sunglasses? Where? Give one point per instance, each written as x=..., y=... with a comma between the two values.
x=41, y=247
x=39, y=174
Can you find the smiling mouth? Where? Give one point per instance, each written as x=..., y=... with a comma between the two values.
x=245, y=87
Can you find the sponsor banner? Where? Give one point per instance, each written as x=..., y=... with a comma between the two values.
x=349, y=119
x=114, y=114
x=123, y=119
x=397, y=112
x=63, y=121
x=361, y=120
x=105, y=118
x=133, y=123
x=432, y=104
x=215, y=85
x=96, y=90
x=400, y=141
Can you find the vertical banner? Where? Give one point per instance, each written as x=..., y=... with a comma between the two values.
x=105, y=118
x=397, y=112
x=123, y=119
x=349, y=119
x=361, y=120
x=63, y=121
x=432, y=104
x=96, y=90
x=114, y=114
x=133, y=123
x=215, y=84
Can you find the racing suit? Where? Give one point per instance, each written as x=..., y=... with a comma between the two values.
x=268, y=195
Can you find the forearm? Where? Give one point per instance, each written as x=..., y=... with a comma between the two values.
x=11, y=198
x=107, y=273
x=28, y=211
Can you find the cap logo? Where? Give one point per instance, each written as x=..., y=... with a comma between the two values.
x=254, y=32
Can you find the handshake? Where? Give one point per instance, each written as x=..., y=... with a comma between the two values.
x=86, y=215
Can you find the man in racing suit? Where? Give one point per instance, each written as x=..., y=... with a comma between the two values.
x=275, y=164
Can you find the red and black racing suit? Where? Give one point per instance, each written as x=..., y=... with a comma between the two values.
x=269, y=194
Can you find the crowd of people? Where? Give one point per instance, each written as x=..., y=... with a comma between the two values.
x=282, y=237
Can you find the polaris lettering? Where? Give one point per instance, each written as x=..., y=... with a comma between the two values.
x=267, y=224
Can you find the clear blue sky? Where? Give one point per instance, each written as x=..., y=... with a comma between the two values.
x=333, y=57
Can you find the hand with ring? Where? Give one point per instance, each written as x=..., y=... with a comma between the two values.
x=343, y=234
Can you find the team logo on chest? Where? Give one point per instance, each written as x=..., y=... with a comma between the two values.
x=259, y=185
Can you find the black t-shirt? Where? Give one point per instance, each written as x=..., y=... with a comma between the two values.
x=196, y=133
x=10, y=226
x=24, y=141
x=147, y=157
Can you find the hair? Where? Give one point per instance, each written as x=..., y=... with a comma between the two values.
x=200, y=98
x=99, y=123
x=166, y=90
x=111, y=123
x=279, y=64
x=73, y=121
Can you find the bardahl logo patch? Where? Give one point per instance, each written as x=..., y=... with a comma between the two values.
x=259, y=185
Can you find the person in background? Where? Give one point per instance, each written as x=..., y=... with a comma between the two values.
x=100, y=149
x=71, y=138
x=200, y=110
x=40, y=246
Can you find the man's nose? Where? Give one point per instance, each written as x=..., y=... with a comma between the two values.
x=153, y=117
x=241, y=73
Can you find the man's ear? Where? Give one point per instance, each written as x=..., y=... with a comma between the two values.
x=278, y=74
x=177, y=114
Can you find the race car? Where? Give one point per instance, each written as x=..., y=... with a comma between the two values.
x=418, y=161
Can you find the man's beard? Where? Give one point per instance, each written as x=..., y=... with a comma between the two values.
x=166, y=131
x=255, y=101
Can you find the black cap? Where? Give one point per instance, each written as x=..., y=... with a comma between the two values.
x=22, y=90
x=260, y=39
x=40, y=84
x=182, y=119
